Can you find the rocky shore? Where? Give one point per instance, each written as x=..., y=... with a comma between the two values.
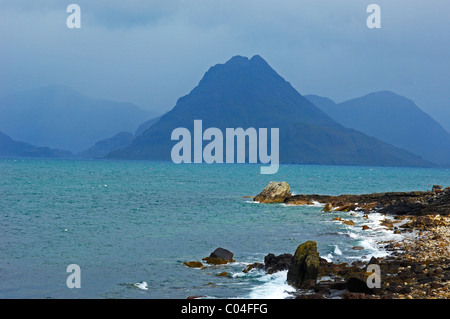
x=417, y=267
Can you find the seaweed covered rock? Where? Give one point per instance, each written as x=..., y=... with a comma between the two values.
x=274, y=192
x=193, y=264
x=219, y=256
x=304, y=268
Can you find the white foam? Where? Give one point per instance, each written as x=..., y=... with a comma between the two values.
x=274, y=286
x=317, y=204
x=141, y=285
x=337, y=251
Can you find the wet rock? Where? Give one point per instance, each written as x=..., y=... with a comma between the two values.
x=354, y=295
x=311, y=296
x=358, y=285
x=223, y=274
x=328, y=207
x=417, y=268
x=395, y=203
x=219, y=256
x=193, y=264
x=274, y=263
x=358, y=263
x=303, y=271
x=253, y=266
x=274, y=192
x=349, y=222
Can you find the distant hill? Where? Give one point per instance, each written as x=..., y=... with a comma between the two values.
x=59, y=117
x=105, y=146
x=249, y=93
x=9, y=147
x=121, y=140
x=394, y=119
x=146, y=125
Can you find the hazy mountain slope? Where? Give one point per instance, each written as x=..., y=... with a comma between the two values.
x=60, y=117
x=9, y=147
x=105, y=146
x=393, y=119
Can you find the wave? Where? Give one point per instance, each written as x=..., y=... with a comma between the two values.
x=141, y=285
x=272, y=286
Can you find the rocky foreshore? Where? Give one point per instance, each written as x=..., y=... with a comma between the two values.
x=417, y=267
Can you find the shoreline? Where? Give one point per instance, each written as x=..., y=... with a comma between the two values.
x=417, y=267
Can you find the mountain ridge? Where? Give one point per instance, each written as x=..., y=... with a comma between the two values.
x=394, y=119
x=248, y=93
x=60, y=117
x=12, y=148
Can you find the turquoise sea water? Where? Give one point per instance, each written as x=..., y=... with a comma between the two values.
x=129, y=222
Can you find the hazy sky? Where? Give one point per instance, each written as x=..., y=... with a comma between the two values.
x=153, y=52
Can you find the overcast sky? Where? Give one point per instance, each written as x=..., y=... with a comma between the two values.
x=153, y=52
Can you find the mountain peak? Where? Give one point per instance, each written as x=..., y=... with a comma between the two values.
x=240, y=72
x=237, y=59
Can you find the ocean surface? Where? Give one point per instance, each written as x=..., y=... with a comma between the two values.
x=130, y=225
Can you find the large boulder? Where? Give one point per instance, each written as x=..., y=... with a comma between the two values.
x=219, y=256
x=274, y=192
x=303, y=271
x=274, y=263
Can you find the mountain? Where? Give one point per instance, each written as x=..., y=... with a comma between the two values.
x=249, y=93
x=9, y=147
x=121, y=140
x=146, y=125
x=394, y=119
x=105, y=146
x=59, y=117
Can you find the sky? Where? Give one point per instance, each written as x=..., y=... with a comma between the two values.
x=152, y=52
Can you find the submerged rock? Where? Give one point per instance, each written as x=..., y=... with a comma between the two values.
x=328, y=207
x=303, y=271
x=193, y=264
x=274, y=192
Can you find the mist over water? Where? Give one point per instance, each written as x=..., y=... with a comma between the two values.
x=130, y=225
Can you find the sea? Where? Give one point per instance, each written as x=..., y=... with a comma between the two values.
x=130, y=225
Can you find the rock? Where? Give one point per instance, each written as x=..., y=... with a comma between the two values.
x=365, y=227
x=354, y=295
x=358, y=285
x=274, y=263
x=358, y=247
x=358, y=263
x=253, y=266
x=303, y=271
x=417, y=268
x=337, y=218
x=193, y=264
x=373, y=260
x=328, y=207
x=274, y=192
x=349, y=222
x=437, y=188
x=222, y=274
x=219, y=256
